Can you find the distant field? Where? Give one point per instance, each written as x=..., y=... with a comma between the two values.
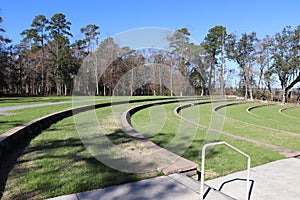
x=17, y=101
x=18, y=117
x=21, y=116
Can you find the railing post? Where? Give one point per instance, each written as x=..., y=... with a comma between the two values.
x=203, y=166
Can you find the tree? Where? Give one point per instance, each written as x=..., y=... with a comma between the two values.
x=179, y=43
x=214, y=45
x=4, y=59
x=264, y=62
x=199, y=65
x=91, y=33
x=59, y=29
x=35, y=38
x=39, y=28
x=243, y=52
x=108, y=53
x=286, y=58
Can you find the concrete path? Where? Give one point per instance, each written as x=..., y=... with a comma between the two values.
x=4, y=109
x=276, y=180
x=175, y=186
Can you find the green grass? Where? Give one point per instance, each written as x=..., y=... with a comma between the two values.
x=272, y=114
x=17, y=101
x=22, y=116
x=19, y=117
x=293, y=112
x=267, y=117
x=57, y=163
x=220, y=160
x=234, y=123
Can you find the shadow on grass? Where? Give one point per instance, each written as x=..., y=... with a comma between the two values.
x=12, y=122
x=7, y=163
x=57, y=165
x=60, y=166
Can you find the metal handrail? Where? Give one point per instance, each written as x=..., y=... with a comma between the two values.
x=203, y=166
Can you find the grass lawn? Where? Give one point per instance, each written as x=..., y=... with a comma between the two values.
x=264, y=116
x=234, y=123
x=57, y=163
x=293, y=112
x=271, y=113
x=17, y=101
x=19, y=117
x=220, y=160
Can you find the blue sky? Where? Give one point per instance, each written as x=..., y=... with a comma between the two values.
x=115, y=16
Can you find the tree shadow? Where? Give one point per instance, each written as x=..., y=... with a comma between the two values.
x=13, y=123
x=16, y=163
x=7, y=164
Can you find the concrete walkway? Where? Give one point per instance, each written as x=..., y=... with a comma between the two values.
x=4, y=109
x=175, y=186
x=276, y=180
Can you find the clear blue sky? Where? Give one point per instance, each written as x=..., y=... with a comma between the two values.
x=114, y=16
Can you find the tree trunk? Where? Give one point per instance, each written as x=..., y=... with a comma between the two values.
x=222, y=68
x=159, y=79
x=96, y=77
x=131, y=85
x=250, y=90
x=58, y=89
x=210, y=78
x=290, y=86
x=284, y=96
x=171, y=77
x=66, y=90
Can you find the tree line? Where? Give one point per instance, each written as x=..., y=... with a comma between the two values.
x=45, y=62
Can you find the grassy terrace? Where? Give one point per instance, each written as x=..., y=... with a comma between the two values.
x=293, y=112
x=56, y=162
x=267, y=116
x=22, y=116
x=234, y=123
x=221, y=161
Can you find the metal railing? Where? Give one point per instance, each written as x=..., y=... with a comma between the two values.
x=203, y=166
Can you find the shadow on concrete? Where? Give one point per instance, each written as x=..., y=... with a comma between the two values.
x=239, y=179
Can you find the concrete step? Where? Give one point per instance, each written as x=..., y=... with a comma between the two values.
x=194, y=185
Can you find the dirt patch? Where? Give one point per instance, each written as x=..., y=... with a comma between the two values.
x=210, y=174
